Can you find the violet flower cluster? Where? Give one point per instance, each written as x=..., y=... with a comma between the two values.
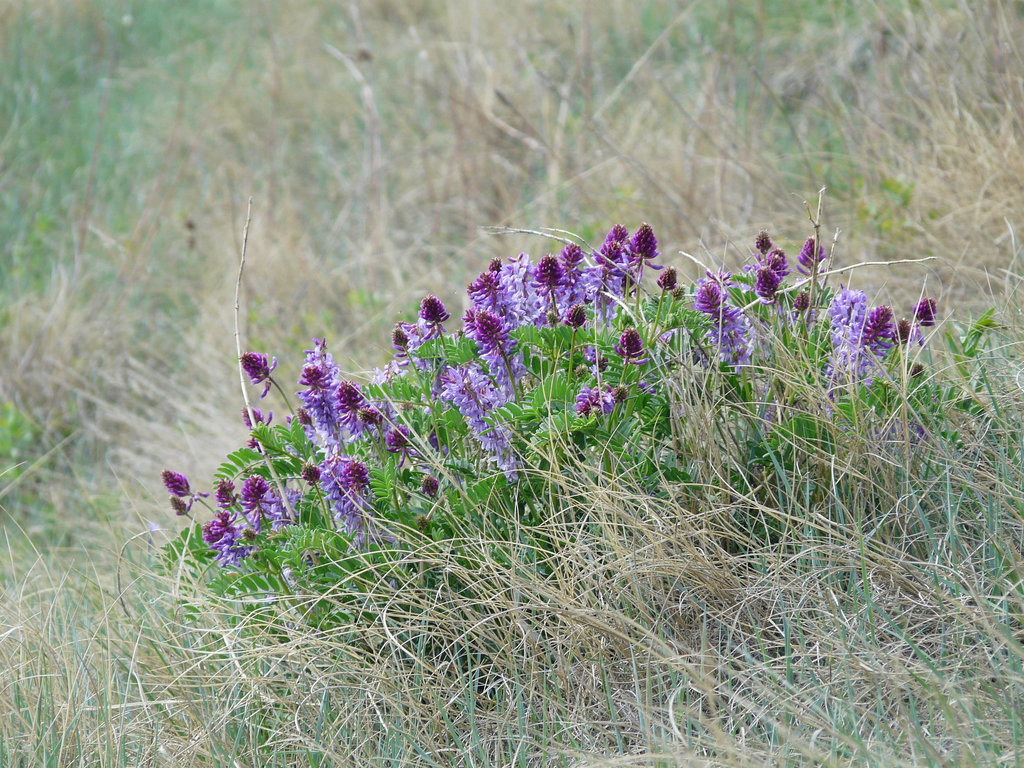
x=351, y=430
x=863, y=337
x=455, y=408
x=730, y=329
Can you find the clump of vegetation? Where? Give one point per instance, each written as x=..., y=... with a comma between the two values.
x=579, y=408
x=782, y=566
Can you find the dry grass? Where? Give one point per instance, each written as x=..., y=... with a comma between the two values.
x=378, y=142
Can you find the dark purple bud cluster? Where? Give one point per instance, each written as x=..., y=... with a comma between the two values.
x=311, y=473
x=182, y=496
x=225, y=495
x=433, y=314
x=576, y=317
x=644, y=244
x=631, y=347
x=667, y=280
x=763, y=242
x=925, y=312
x=550, y=274
x=176, y=483
x=258, y=370
x=767, y=283
x=429, y=486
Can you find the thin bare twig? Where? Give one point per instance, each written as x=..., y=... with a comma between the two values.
x=540, y=232
x=238, y=291
x=238, y=349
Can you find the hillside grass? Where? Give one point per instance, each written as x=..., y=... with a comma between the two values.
x=379, y=145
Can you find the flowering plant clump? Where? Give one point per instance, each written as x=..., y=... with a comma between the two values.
x=563, y=367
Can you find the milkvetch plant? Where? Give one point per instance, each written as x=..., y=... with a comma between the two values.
x=567, y=365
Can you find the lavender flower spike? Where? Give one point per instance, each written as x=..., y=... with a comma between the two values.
x=473, y=393
x=848, y=314
x=320, y=377
x=345, y=482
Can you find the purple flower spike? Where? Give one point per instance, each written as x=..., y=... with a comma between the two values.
x=853, y=357
x=572, y=256
x=258, y=370
x=487, y=330
x=349, y=400
x=631, y=347
x=766, y=284
x=470, y=390
x=879, y=330
x=519, y=303
x=176, y=483
x=667, y=279
x=260, y=501
x=223, y=535
x=776, y=261
x=397, y=439
x=644, y=244
x=483, y=291
x=429, y=486
x=576, y=317
x=808, y=264
x=226, y=494
x=617, y=234
x=433, y=313
x=549, y=275
x=256, y=492
x=925, y=311
x=763, y=242
x=848, y=312
x=319, y=376
x=580, y=284
x=595, y=400
x=710, y=294
x=730, y=330
x=496, y=348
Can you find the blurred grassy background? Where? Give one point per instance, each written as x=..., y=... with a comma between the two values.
x=379, y=140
